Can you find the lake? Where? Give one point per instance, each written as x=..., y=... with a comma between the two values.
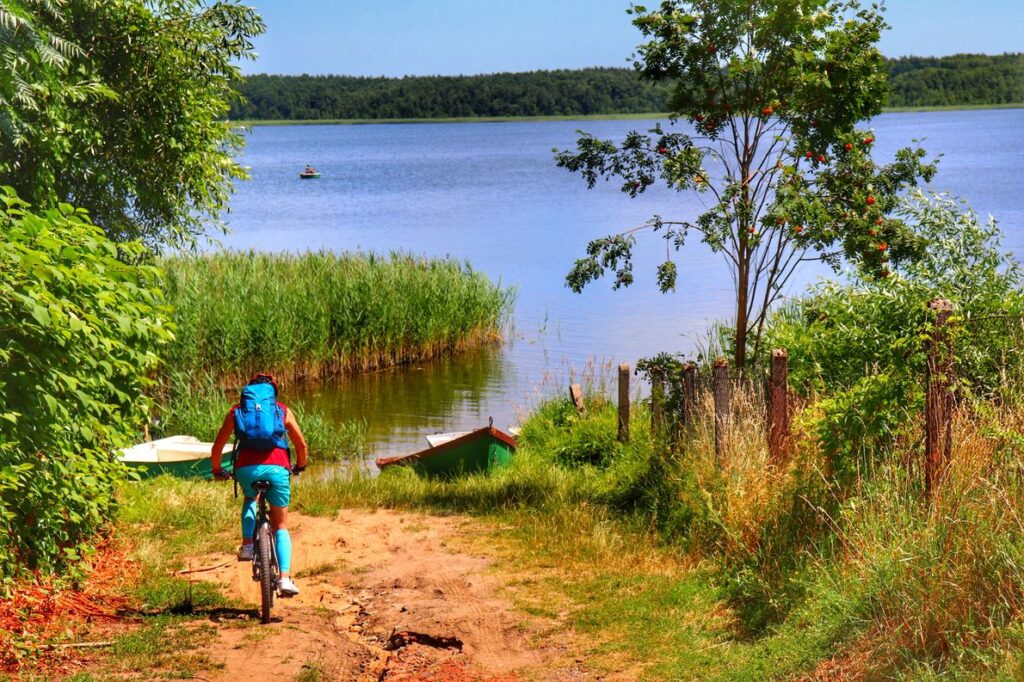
x=490, y=193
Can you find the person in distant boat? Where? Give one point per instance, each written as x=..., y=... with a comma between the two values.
x=309, y=170
x=262, y=426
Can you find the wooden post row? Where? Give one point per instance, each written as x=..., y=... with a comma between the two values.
x=688, y=413
x=623, y=403
x=778, y=406
x=657, y=401
x=722, y=398
x=939, y=400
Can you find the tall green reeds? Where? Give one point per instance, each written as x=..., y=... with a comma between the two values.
x=318, y=314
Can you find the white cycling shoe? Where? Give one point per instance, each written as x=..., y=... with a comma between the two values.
x=245, y=552
x=287, y=588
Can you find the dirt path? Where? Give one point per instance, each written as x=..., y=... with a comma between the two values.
x=384, y=597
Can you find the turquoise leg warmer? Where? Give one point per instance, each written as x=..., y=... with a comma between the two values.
x=248, y=518
x=284, y=550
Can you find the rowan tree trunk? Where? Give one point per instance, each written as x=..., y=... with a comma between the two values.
x=742, y=282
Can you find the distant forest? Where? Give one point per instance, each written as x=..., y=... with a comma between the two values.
x=960, y=79
x=916, y=81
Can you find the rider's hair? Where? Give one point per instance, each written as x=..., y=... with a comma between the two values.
x=263, y=378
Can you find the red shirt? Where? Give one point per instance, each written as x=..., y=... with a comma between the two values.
x=245, y=457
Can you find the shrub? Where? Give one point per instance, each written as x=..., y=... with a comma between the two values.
x=861, y=343
x=80, y=332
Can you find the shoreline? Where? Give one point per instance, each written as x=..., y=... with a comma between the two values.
x=567, y=117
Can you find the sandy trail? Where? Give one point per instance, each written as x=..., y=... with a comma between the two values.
x=384, y=597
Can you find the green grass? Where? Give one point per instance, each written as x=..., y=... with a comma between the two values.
x=164, y=520
x=320, y=314
x=312, y=671
x=166, y=644
x=955, y=107
x=674, y=568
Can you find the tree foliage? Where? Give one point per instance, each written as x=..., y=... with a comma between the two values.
x=774, y=92
x=118, y=107
x=80, y=333
x=537, y=93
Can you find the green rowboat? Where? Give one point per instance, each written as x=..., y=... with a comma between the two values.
x=464, y=453
x=309, y=176
x=181, y=456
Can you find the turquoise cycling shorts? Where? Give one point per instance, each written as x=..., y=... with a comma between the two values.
x=280, y=485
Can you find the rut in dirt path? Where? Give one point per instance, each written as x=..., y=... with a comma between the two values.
x=383, y=597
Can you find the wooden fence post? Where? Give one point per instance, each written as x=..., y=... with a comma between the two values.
x=657, y=401
x=576, y=396
x=722, y=396
x=688, y=413
x=778, y=406
x=623, y=403
x=939, y=401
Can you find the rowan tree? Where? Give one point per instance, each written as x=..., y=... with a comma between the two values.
x=773, y=91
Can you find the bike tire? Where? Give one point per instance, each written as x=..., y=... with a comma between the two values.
x=266, y=572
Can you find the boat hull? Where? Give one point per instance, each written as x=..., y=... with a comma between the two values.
x=180, y=456
x=309, y=176
x=477, y=451
x=193, y=468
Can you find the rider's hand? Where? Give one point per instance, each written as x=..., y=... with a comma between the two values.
x=296, y=470
x=221, y=475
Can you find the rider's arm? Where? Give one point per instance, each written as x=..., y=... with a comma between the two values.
x=295, y=434
x=226, y=429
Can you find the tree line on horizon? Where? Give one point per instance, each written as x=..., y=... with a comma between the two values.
x=966, y=79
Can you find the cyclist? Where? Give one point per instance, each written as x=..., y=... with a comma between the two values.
x=263, y=459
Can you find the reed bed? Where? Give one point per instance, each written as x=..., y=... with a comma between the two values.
x=320, y=314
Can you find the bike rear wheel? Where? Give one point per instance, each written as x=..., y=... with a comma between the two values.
x=265, y=560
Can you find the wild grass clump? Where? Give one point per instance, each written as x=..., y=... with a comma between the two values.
x=166, y=519
x=320, y=314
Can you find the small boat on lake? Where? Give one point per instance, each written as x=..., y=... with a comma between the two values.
x=181, y=456
x=310, y=173
x=463, y=452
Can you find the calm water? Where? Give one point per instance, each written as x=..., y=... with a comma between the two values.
x=491, y=194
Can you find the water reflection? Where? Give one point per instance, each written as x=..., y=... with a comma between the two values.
x=401, y=405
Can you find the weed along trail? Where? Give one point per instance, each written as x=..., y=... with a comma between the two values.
x=384, y=597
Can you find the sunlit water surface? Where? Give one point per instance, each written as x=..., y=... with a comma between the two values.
x=491, y=194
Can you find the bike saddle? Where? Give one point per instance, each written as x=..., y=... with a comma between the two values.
x=262, y=486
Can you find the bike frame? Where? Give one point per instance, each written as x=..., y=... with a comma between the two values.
x=263, y=517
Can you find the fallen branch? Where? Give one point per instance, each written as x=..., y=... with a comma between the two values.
x=78, y=645
x=185, y=571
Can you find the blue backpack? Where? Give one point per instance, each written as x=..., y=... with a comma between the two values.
x=259, y=420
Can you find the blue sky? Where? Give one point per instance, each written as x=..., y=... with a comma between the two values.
x=416, y=37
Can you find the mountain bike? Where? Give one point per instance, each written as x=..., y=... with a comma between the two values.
x=265, y=568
